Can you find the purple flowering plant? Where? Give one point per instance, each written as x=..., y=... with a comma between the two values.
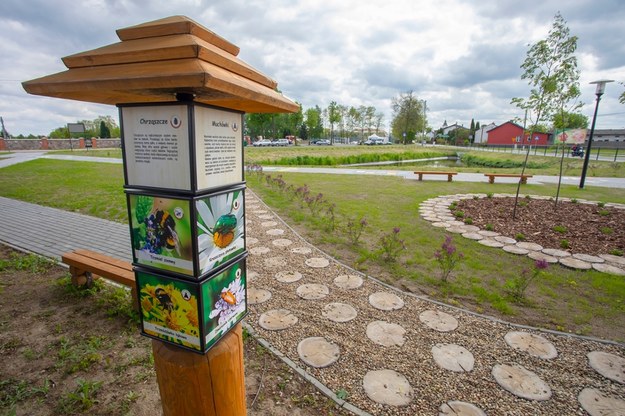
x=355, y=228
x=448, y=257
x=517, y=286
x=391, y=245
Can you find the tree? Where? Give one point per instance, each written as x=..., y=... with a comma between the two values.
x=313, y=122
x=105, y=133
x=566, y=120
x=551, y=70
x=334, y=116
x=408, y=116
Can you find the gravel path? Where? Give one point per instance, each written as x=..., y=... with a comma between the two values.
x=402, y=355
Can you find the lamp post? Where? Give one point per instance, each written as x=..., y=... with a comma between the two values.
x=599, y=92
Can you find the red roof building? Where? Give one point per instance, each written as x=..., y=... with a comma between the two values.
x=510, y=133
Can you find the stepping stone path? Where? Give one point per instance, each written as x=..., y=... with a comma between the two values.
x=514, y=249
x=251, y=276
x=318, y=352
x=439, y=321
x=339, y=312
x=266, y=217
x=387, y=387
x=312, y=291
x=573, y=263
x=268, y=224
x=539, y=255
x=453, y=357
x=348, y=281
x=256, y=295
x=534, y=345
x=288, y=277
x=529, y=246
x=275, y=232
x=386, y=333
x=301, y=250
x=460, y=409
x=521, y=382
x=386, y=301
x=596, y=404
x=276, y=262
x=608, y=365
x=555, y=252
x=317, y=262
x=608, y=268
x=277, y=319
x=251, y=240
x=257, y=251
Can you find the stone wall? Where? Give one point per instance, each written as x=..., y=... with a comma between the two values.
x=56, y=144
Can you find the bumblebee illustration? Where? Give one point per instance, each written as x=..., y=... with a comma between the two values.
x=161, y=232
x=164, y=299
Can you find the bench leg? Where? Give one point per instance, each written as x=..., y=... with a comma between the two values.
x=523, y=181
x=449, y=178
x=491, y=179
x=81, y=278
x=420, y=176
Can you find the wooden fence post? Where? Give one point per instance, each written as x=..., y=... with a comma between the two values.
x=212, y=384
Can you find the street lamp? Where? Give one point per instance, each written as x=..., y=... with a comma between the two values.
x=599, y=92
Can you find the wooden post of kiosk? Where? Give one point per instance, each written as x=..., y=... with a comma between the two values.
x=156, y=62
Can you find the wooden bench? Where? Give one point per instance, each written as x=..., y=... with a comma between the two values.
x=491, y=176
x=86, y=266
x=427, y=172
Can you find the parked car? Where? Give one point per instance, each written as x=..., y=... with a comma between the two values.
x=281, y=142
x=262, y=143
x=323, y=142
x=373, y=141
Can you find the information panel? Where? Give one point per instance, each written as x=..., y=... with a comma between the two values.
x=156, y=146
x=218, y=147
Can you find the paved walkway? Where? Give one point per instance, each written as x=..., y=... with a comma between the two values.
x=386, y=351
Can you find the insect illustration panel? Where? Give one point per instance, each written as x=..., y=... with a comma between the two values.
x=220, y=229
x=224, y=302
x=169, y=309
x=161, y=232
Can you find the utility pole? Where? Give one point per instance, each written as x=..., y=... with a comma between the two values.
x=5, y=133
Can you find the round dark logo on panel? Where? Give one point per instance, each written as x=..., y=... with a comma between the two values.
x=176, y=122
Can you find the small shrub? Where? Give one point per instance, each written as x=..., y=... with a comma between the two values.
x=519, y=237
x=616, y=252
x=517, y=286
x=453, y=206
x=574, y=201
x=489, y=195
x=468, y=220
x=448, y=258
x=560, y=229
x=459, y=214
x=476, y=197
x=522, y=203
x=606, y=230
x=489, y=227
x=528, y=197
x=391, y=246
x=564, y=244
x=354, y=229
x=604, y=213
x=601, y=204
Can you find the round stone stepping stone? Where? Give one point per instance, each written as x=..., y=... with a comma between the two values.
x=251, y=240
x=301, y=250
x=317, y=262
x=521, y=382
x=576, y=264
x=455, y=229
x=288, y=277
x=266, y=217
x=505, y=240
x=471, y=228
x=275, y=262
x=386, y=333
x=529, y=246
x=491, y=243
x=457, y=408
x=588, y=258
x=339, y=312
x=535, y=345
x=268, y=224
x=318, y=352
x=473, y=236
x=539, y=255
x=555, y=252
x=439, y=321
x=387, y=387
x=251, y=276
x=608, y=365
x=608, y=268
x=260, y=211
x=455, y=223
x=613, y=259
x=596, y=404
x=439, y=224
x=487, y=233
x=515, y=250
x=386, y=301
x=277, y=319
x=275, y=232
x=453, y=357
x=312, y=291
x=259, y=250
x=257, y=295
x=348, y=281
x=282, y=242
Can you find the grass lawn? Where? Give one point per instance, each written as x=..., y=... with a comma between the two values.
x=588, y=302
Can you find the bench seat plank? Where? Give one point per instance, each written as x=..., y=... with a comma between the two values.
x=435, y=172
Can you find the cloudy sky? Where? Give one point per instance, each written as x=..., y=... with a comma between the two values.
x=462, y=56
